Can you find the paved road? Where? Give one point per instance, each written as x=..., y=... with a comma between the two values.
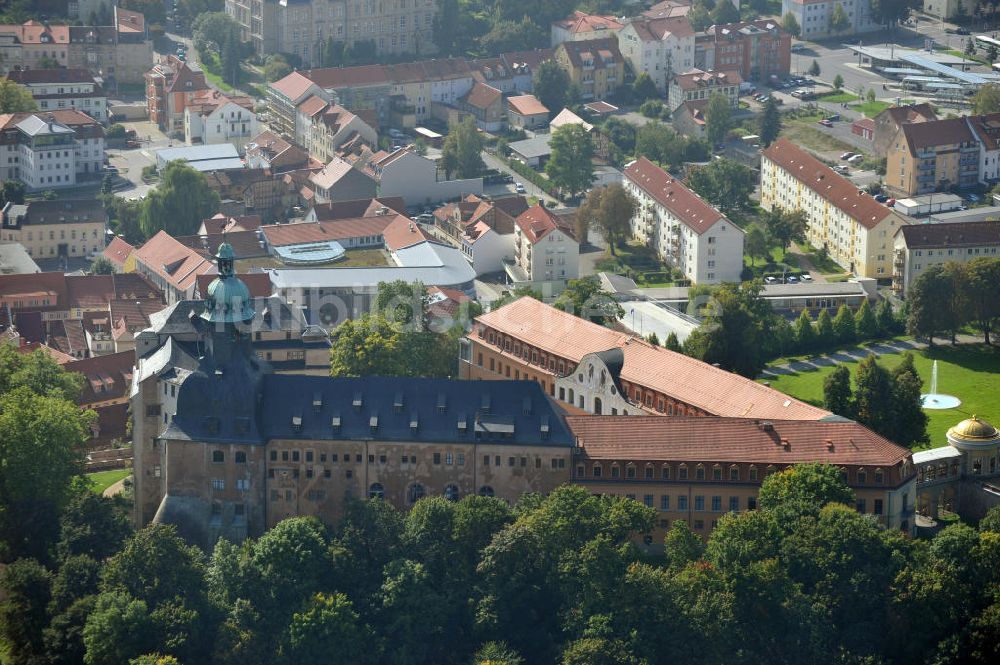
x=530, y=189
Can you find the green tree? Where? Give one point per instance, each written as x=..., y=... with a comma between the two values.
x=119, y=629
x=78, y=577
x=643, y=88
x=92, y=525
x=929, y=301
x=805, y=334
x=991, y=520
x=26, y=586
x=516, y=293
x=991, y=53
x=672, y=342
x=844, y=325
x=681, y=546
x=12, y=191
x=804, y=489
x=584, y=298
x=230, y=59
x=328, y=630
x=153, y=10
x=866, y=325
x=733, y=330
x=508, y=35
x=981, y=286
x=102, y=266
x=791, y=25
x=610, y=210
x=986, y=99
x=909, y=418
x=15, y=98
x=718, y=116
x=725, y=12
x=551, y=84
x=276, y=68
x=403, y=303
x=970, y=47
x=826, y=336
x=446, y=26
x=837, y=396
x=724, y=183
x=107, y=184
x=368, y=346
x=211, y=30
x=770, y=122
x=838, y=19
x=180, y=202
x=154, y=659
x=888, y=324
x=699, y=16
x=496, y=653
x=462, y=151
x=156, y=566
x=873, y=397
x=838, y=82
x=570, y=167
x=814, y=69
x=653, y=338
x=785, y=227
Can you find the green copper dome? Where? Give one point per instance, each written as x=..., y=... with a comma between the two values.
x=228, y=299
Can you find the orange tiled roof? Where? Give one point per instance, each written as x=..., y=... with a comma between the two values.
x=673, y=195
x=402, y=233
x=582, y=22
x=280, y=235
x=118, y=251
x=177, y=264
x=526, y=105
x=537, y=222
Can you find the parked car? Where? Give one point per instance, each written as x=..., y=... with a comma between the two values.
x=847, y=155
x=834, y=117
x=841, y=169
x=973, y=198
x=891, y=203
x=881, y=198
x=806, y=277
x=962, y=31
x=425, y=218
x=519, y=187
x=770, y=279
x=791, y=279
x=825, y=122
x=854, y=159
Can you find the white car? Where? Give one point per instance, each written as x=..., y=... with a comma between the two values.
x=855, y=159
x=806, y=277
x=519, y=187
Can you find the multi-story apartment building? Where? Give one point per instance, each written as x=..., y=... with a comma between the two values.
x=512, y=72
x=50, y=150
x=546, y=255
x=686, y=232
x=33, y=45
x=580, y=26
x=658, y=46
x=888, y=122
x=755, y=50
x=931, y=156
x=64, y=89
x=305, y=27
x=59, y=228
x=322, y=128
x=283, y=99
x=697, y=85
x=211, y=117
x=226, y=448
x=814, y=16
x=170, y=86
x=596, y=65
x=919, y=247
x=986, y=129
x=856, y=230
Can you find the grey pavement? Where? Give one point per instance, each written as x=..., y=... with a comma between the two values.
x=529, y=188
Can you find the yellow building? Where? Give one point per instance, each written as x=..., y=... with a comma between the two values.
x=596, y=65
x=54, y=229
x=855, y=229
x=925, y=157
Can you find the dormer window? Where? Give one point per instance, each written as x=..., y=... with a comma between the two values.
x=296, y=424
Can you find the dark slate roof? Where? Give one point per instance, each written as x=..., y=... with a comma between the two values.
x=488, y=409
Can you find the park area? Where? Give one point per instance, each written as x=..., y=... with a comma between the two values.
x=102, y=480
x=969, y=371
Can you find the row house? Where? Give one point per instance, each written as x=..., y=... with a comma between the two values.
x=56, y=229
x=855, y=229
x=686, y=232
x=755, y=50
x=323, y=128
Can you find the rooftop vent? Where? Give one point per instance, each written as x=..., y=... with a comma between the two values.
x=397, y=403
x=297, y=423
x=414, y=423
x=358, y=401
x=485, y=406
x=335, y=423
x=317, y=401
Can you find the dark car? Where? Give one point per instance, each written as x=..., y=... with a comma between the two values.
x=962, y=31
x=881, y=198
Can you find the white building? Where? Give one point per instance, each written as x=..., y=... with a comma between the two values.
x=686, y=232
x=322, y=128
x=813, y=17
x=856, y=230
x=696, y=85
x=212, y=117
x=50, y=150
x=660, y=47
x=486, y=249
x=58, y=89
x=545, y=254
x=416, y=178
x=918, y=247
x=580, y=26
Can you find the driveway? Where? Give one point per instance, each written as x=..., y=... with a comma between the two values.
x=529, y=188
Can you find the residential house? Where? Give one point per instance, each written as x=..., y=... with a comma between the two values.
x=596, y=65
x=526, y=112
x=170, y=86
x=947, y=10
x=119, y=253
x=118, y=53
x=546, y=255
x=56, y=229
x=259, y=191
x=283, y=99
x=415, y=178
x=659, y=46
x=986, y=129
x=511, y=72
x=855, y=229
x=813, y=17
x=697, y=85
x=533, y=152
x=269, y=151
x=686, y=232
x=325, y=128
x=580, y=26
x=487, y=250
x=755, y=50
x=933, y=156
x=484, y=103
x=212, y=117
x=453, y=219
x=106, y=385
x=888, y=122
x=689, y=118
x=220, y=223
x=64, y=89
x=339, y=180
x=333, y=210
x=919, y=247
x=171, y=266
x=50, y=150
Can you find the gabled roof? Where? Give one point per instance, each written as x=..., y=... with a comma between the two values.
x=901, y=115
x=668, y=8
x=657, y=29
x=697, y=79
x=311, y=106
x=567, y=117
x=482, y=96
x=526, y=105
x=118, y=251
x=693, y=211
x=41, y=285
x=920, y=135
x=129, y=22
x=293, y=86
x=90, y=291
x=333, y=173
x=402, y=233
x=245, y=244
x=359, y=208
x=106, y=377
x=176, y=263
x=187, y=80
x=839, y=191
x=281, y=235
x=694, y=439
x=956, y=234
x=220, y=223
x=537, y=222
x=582, y=22
x=987, y=128
x=601, y=52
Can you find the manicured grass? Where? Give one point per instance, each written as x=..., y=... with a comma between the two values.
x=969, y=371
x=354, y=258
x=871, y=109
x=102, y=480
x=837, y=97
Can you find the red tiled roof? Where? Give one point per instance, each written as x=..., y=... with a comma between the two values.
x=582, y=22
x=358, y=208
x=173, y=261
x=936, y=132
x=131, y=314
x=133, y=286
x=482, y=96
x=347, y=77
x=694, y=439
x=671, y=193
x=187, y=75
x=537, y=222
x=51, y=285
x=90, y=291
x=526, y=105
x=57, y=355
x=311, y=106
x=221, y=223
x=106, y=377
x=668, y=8
x=603, y=52
x=118, y=251
x=31, y=32
x=600, y=107
x=129, y=21
x=403, y=232
x=697, y=79
x=655, y=29
x=691, y=381
x=819, y=177
x=293, y=86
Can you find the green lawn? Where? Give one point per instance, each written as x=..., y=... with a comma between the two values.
x=354, y=258
x=102, y=480
x=970, y=372
x=638, y=262
x=836, y=97
x=805, y=131
x=871, y=109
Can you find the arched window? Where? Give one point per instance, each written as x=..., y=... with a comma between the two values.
x=665, y=472
x=699, y=472
x=753, y=472
x=451, y=492
x=415, y=493
x=734, y=472
x=717, y=472
x=486, y=490
x=376, y=491
x=630, y=471
x=218, y=456
x=682, y=472
x=649, y=472
x=598, y=407
x=582, y=403
x=241, y=458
